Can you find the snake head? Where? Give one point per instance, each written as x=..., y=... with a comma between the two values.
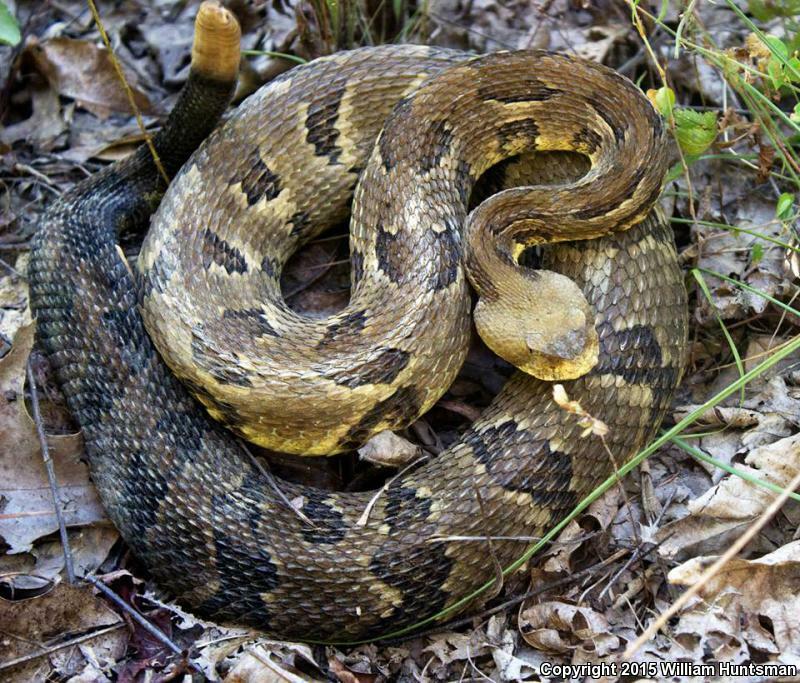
x=544, y=326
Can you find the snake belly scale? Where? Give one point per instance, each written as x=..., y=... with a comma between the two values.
x=180, y=487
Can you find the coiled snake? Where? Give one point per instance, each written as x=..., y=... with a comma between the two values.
x=186, y=497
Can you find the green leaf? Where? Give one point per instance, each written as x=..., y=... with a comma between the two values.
x=674, y=173
x=764, y=11
x=756, y=254
x=795, y=115
x=783, y=209
x=775, y=72
x=794, y=62
x=760, y=10
x=694, y=130
x=9, y=28
x=777, y=46
x=665, y=101
x=678, y=170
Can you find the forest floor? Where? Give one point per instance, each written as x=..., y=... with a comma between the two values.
x=725, y=76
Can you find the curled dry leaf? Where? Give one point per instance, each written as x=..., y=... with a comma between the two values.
x=44, y=124
x=271, y=661
x=88, y=545
x=83, y=71
x=14, y=311
x=758, y=599
x=569, y=540
x=387, y=449
x=514, y=663
x=768, y=414
x=744, y=257
x=451, y=647
x=559, y=627
x=26, y=502
x=606, y=507
x=714, y=628
x=733, y=503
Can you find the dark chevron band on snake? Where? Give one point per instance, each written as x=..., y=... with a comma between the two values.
x=180, y=487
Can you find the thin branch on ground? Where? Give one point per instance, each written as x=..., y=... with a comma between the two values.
x=60, y=646
x=51, y=474
x=148, y=140
x=274, y=485
x=12, y=270
x=498, y=568
x=147, y=625
x=364, y=518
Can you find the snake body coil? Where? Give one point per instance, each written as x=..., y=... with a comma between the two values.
x=182, y=490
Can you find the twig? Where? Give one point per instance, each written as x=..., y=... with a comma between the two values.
x=51, y=475
x=274, y=485
x=640, y=552
x=329, y=238
x=67, y=643
x=41, y=177
x=464, y=621
x=321, y=270
x=498, y=568
x=278, y=670
x=13, y=270
x=364, y=518
x=15, y=246
x=469, y=29
x=477, y=670
x=153, y=630
x=522, y=539
x=628, y=67
x=714, y=569
x=579, y=600
x=128, y=92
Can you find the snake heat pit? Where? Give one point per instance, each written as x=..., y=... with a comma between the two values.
x=166, y=363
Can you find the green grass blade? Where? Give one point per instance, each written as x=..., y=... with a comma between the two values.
x=756, y=481
x=277, y=55
x=698, y=276
x=736, y=228
x=753, y=290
